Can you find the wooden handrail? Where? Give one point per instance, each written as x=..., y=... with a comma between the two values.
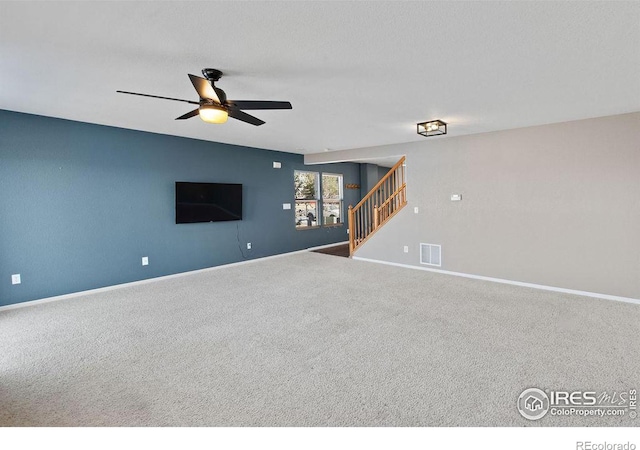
x=380, y=204
x=392, y=196
x=382, y=180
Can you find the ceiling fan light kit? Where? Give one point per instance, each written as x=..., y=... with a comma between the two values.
x=213, y=106
x=213, y=114
x=432, y=128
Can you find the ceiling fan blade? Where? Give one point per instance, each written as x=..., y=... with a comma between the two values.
x=204, y=88
x=237, y=114
x=189, y=115
x=157, y=96
x=256, y=104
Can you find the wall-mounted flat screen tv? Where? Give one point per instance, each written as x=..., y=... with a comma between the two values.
x=208, y=202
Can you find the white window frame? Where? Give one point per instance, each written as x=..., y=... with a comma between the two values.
x=340, y=200
x=316, y=199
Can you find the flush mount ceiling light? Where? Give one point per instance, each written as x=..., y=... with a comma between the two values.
x=432, y=128
x=213, y=113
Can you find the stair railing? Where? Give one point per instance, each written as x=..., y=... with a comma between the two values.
x=380, y=204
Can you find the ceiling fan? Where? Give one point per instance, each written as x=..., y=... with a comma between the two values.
x=213, y=106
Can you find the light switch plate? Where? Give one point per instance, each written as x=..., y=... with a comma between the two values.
x=15, y=278
x=406, y=249
x=456, y=197
x=277, y=165
x=415, y=209
x=286, y=206
x=145, y=260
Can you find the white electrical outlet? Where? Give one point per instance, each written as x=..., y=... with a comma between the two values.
x=286, y=206
x=248, y=245
x=415, y=209
x=406, y=249
x=15, y=278
x=277, y=165
x=456, y=197
x=145, y=260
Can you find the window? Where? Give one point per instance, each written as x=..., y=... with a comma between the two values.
x=318, y=199
x=306, y=186
x=331, y=198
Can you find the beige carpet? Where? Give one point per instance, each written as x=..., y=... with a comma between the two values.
x=310, y=340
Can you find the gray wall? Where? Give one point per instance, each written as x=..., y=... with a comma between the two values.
x=80, y=205
x=557, y=205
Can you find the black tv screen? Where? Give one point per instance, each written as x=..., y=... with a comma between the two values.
x=208, y=202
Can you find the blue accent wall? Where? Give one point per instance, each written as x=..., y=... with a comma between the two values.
x=369, y=177
x=81, y=204
x=382, y=171
x=370, y=174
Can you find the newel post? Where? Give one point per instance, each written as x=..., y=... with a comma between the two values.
x=352, y=238
x=376, y=217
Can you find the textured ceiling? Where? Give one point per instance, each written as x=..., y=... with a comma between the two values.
x=357, y=73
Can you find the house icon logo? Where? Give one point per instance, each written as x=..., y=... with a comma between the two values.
x=533, y=404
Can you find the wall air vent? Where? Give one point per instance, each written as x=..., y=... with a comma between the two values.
x=431, y=254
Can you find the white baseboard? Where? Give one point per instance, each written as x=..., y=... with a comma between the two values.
x=503, y=281
x=153, y=280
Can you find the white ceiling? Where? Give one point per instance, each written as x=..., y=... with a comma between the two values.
x=358, y=74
